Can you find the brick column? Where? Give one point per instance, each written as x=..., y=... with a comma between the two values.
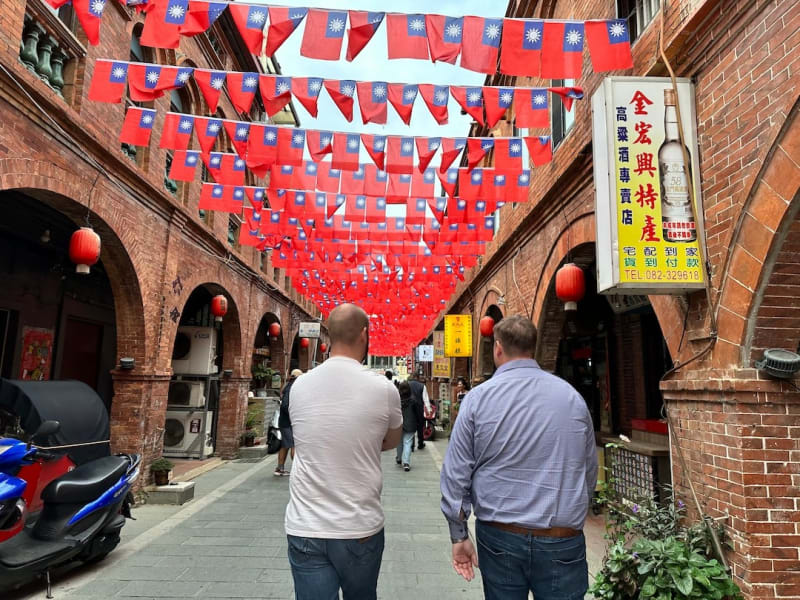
x=232, y=412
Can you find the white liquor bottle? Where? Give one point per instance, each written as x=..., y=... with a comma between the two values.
x=676, y=205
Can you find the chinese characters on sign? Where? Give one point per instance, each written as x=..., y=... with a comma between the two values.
x=441, y=364
x=458, y=335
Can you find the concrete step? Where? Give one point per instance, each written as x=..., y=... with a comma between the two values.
x=258, y=451
x=176, y=492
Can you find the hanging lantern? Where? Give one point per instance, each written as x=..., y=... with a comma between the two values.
x=304, y=343
x=323, y=347
x=275, y=330
x=219, y=306
x=84, y=249
x=487, y=326
x=570, y=285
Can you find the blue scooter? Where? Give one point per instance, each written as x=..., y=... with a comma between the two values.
x=83, y=513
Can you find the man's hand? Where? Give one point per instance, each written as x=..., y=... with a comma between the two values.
x=464, y=559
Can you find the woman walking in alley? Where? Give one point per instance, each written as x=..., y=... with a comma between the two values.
x=409, y=426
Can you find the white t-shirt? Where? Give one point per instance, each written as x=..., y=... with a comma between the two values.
x=340, y=414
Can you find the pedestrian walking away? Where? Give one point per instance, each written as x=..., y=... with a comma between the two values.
x=343, y=416
x=522, y=456
x=409, y=426
x=285, y=425
x=422, y=404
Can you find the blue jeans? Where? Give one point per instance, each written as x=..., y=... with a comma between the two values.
x=512, y=565
x=321, y=566
x=404, y=449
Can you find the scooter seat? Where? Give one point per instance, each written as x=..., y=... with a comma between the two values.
x=86, y=482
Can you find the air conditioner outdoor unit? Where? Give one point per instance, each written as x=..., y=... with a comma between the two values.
x=188, y=394
x=195, y=351
x=187, y=433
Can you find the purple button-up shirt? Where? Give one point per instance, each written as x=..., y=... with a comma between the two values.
x=522, y=451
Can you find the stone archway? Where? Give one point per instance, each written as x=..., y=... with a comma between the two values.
x=268, y=349
x=485, y=355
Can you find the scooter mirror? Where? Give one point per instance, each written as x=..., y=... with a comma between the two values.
x=45, y=429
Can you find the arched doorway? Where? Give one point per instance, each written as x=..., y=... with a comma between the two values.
x=300, y=357
x=486, y=366
x=268, y=356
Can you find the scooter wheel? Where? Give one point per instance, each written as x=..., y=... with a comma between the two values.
x=273, y=444
x=429, y=432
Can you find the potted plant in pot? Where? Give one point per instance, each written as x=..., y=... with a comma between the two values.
x=249, y=438
x=161, y=468
x=262, y=376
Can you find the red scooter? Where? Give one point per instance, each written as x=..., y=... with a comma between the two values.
x=429, y=430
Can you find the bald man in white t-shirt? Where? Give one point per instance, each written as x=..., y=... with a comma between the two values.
x=343, y=416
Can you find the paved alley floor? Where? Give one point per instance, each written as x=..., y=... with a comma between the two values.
x=229, y=542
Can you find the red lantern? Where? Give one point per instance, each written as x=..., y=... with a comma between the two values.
x=304, y=343
x=323, y=347
x=570, y=285
x=275, y=330
x=487, y=326
x=219, y=306
x=84, y=249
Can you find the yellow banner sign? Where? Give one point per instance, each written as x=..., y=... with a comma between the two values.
x=458, y=335
x=441, y=364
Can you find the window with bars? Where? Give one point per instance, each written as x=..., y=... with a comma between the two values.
x=234, y=224
x=638, y=14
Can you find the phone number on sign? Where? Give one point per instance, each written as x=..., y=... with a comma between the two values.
x=653, y=275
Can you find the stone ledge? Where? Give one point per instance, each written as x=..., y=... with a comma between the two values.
x=178, y=492
x=259, y=451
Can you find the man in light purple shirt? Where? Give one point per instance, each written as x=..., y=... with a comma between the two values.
x=522, y=456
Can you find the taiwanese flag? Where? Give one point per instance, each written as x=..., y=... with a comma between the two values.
x=437, y=206
x=375, y=146
x=256, y=197
x=426, y=148
x=402, y=98
x=436, y=98
x=184, y=163
x=478, y=208
x=250, y=21
x=375, y=181
x=291, y=143
x=372, y=96
x=334, y=203
x=296, y=206
x=477, y=148
x=207, y=130
x=148, y=82
x=242, y=89
x=210, y=84
x=238, y=132
x=355, y=208
x=397, y=230
x=262, y=148
x=416, y=211
x=276, y=92
x=176, y=132
x=481, y=43
x=281, y=176
x=508, y=154
x=226, y=168
x=470, y=184
x=376, y=210
x=522, y=47
x=163, y=22
x=406, y=36
x=471, y=100
x=322, y=38
x=277, y=200
x=496, y=188
x=202, y=15
x=353, y=181
x=306, y=90
x=422, y=184
x=328, y=178
x=319, y=143
x=568, y=95
x=363, y=26
x=451, y=150
x=518, y=187
x=457, y=213
x=226, y=198
x=562, y=50
x=108, y=81
x=137, y=126
x=531, y=108
x=89, y=13
x=444, y=37
x=539, y=149
x=497, y=101
x=316, y=209
x=398, y=189
x=282, y=23
x=346, y=148
x=400, y=154
x=342, y=92
x=609, y=45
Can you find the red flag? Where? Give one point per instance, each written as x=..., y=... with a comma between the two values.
x=281, y=176
x=108, y=81
x=282, y=23
x=262, y=148
x=508, y=154
x=531, y=108
x=470, y=183
x=451, y=150
x=568, y=95
x=345, y=151
x=137, y=126
x=416, y=211
x=481, y=43
x=471, y=100
x=328, y=178
x=398, y=189
x=477, y=148
x=437, y=206
x=256, y=197
x=436, y=98
x=497, y=101
x=202, y=15
x=363, y=26
x=426, y=148
x=323, y=35
x=399, y=154
x=176, y=132
x=306, y=90
x=225, y=198
x=89, y=13
x=372, y=96
x=562, y=50
x=375, y=145
x=238, y=131
x=422, y=183
x=444, y=37
x=375, y=181
x=355, y=208
x=352, y=182
x=376, y=210
x=609, y=45
x=207, y=130
x=291, y=143
x=342, y=92
x=184, y=164
x=522, y=47
x=210, y=84
x=402, y=97
x=448, y=181
x=276, y=92
x=225, y=168
x=250, y=21
x=148, y=82
x=319, y=143
x=163, y=22
x=242, y=89
x=540, y=149
x=407, y=37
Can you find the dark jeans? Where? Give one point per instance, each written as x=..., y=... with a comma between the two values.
x=512, y=565
x=321, y=566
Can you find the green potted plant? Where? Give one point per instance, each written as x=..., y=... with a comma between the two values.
x=161, y=468
x=262, y=376
x=249, y=438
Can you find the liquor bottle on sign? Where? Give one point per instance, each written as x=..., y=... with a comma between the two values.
x=676, y=205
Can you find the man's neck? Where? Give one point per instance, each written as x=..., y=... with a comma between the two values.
x=356, y=355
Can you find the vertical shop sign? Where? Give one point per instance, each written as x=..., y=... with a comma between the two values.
x=458, y=335
x=441, y=363
x=37, y=353
x=647, y=237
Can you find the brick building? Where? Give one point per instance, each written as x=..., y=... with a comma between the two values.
x=162, y=260
x=739, y=429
